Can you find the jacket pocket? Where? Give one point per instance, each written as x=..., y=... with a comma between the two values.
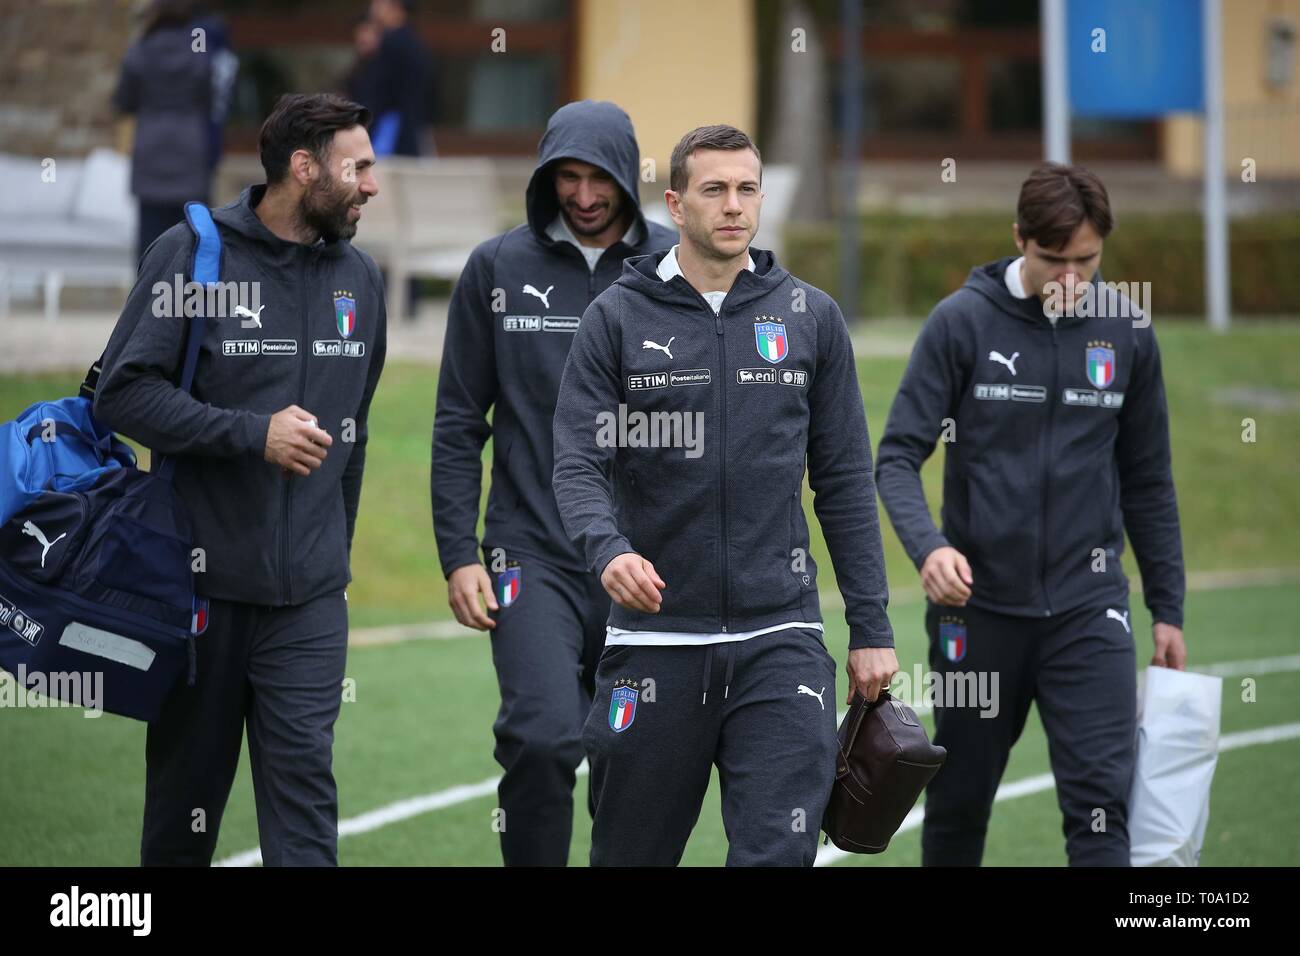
x=504, y=497
x=1005, y=537
x=802, y=565
x=761, y=561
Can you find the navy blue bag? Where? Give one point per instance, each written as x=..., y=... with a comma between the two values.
x=96, y=586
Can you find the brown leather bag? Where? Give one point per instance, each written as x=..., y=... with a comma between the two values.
x=884, y=763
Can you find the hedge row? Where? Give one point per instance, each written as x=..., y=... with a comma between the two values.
x=910, y=263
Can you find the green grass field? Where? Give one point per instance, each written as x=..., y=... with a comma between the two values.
x=72, y=788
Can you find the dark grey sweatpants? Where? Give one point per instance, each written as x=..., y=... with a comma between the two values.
x=738, y=706
x=280, y=672
x=544, y=647
x=1080, y=668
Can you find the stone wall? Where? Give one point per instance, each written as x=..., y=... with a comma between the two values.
x=59, y=61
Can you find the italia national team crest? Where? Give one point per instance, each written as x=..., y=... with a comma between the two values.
x=345, y=310
x=199, y=620
x=952, y=638
x=509, y=583
x=1101, y=363
x=622, y=704
x=771, y=340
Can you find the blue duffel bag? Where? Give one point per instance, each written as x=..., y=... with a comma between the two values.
x=96, y=586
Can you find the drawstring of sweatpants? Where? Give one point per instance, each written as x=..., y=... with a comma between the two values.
x=708, y=670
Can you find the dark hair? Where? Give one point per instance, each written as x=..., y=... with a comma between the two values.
x=1056, y=199
x=164, y=14
x=705, y=137
x=305, y=121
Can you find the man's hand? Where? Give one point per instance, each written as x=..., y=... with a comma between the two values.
x=946, y=577
x=870, y=671
x=295, y=443
x=632, y=582
x=1170, y=649
x=463, y=589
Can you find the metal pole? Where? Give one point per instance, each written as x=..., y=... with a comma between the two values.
x=1056, y=99
x=850, y=152
x=1216, y=215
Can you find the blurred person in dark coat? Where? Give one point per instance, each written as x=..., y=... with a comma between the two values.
x=167, y=86
x=400, y=80
x=360, y=83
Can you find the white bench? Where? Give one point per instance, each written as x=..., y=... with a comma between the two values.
x=427, y=219
x=79, y=229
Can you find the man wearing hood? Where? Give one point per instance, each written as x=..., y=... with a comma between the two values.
x=1056, y=440
x=512, y=317
x=269, y=448
x=698, y=387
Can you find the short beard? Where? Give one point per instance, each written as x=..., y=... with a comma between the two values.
x=616, y=212
x=323, y=210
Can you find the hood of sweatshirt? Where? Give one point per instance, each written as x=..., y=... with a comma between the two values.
x=241, y=216
x=640, y=275
x=594, y=132
x=989, y=281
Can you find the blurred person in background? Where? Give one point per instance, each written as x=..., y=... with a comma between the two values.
x=400, y=78
x=360, y=83
x=168, y=87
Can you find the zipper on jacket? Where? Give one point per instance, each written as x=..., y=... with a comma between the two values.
x=723, y=609
x=1047, y=467
x=286, y=576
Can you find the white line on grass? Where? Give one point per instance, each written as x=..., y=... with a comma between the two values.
x=829, y=855
x=438, y=800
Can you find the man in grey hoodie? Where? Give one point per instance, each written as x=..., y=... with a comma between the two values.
x=698, y=387
x=269, y=448
x=1056, y=443
x=513, y=314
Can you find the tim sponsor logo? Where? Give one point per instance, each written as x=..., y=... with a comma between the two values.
x=521, y=323
x=636, y=383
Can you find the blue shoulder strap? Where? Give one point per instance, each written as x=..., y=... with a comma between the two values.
x=205, y=268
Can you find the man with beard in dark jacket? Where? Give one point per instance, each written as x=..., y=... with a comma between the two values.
x=513, y=315
x=269, y=448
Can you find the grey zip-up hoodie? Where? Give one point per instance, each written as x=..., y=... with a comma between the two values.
x=267, y=539
x=772, y=380
x=1061, y=445
x=511, y=320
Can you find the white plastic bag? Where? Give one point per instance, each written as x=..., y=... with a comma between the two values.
x=1177, y=749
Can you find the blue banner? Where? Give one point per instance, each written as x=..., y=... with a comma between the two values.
x=1134, y=59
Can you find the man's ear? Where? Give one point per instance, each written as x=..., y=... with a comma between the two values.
x=303, y=166
x=674, y=203
x=1015, y=233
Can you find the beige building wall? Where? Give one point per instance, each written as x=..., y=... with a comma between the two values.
x=1261, y=121
x=673, y=65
